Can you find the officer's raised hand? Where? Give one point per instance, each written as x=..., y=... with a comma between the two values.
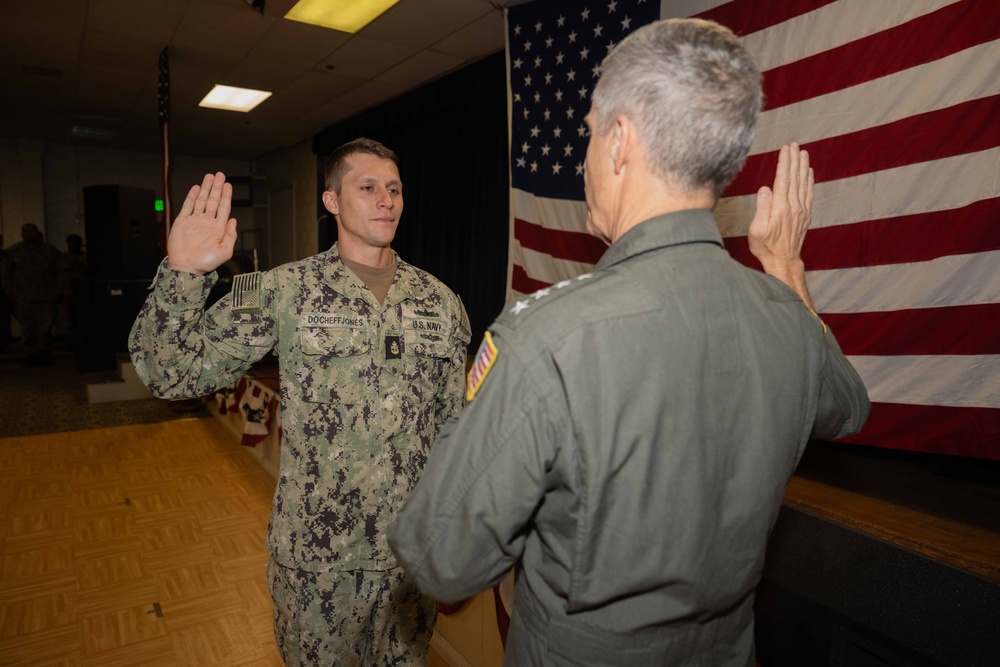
x=203, y=235
x=782, y=218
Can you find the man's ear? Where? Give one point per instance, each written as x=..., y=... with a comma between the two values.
x=621, y=142
x=330, y=201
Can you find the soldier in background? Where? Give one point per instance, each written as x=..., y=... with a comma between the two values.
x=5, y=306
x=30, y=275
x=72, y=266
x=372, y=362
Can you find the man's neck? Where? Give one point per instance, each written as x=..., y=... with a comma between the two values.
x=374, y=257
x=652, y=199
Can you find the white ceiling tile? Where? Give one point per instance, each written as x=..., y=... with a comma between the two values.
x=151, y=19
x=424, y=66
x=366, y=58
x=115, y=103
x=55, y=12
x=371, y=93
x=110, y=79
x=138, y=47
x=134, y=68
x=296, y=45
x=221, y=30
x=475, y=40
x=38, y=44
x=278, y=8
x=419, y=23
x=260, y=75
x=315, y=88
x=331, y=112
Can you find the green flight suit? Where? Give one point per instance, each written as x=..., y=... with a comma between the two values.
x=627, y=449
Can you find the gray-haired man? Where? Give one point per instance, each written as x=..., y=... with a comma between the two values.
x=631, y=432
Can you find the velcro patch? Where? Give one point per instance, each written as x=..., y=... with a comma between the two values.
x=485, y=358
x=333, y=321
x=246, y=292
x=434, y=326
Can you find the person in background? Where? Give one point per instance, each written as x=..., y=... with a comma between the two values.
x=30, y=276
x=5, y=305
x=372, y=361
x=630, y=432
x=72, y=266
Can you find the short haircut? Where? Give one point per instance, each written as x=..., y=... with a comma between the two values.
x=694, y=94
x=336, y=164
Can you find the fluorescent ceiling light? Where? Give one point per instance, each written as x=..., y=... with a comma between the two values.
x=233, y=99
x=343, y=15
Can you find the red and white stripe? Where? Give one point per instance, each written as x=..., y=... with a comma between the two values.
x=898, y=104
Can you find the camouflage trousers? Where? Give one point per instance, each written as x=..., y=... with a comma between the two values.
x=36, y=324
x=350, y=618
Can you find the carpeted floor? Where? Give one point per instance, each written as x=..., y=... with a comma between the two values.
x=54, y=399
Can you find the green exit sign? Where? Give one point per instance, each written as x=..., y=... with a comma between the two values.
x=159, y=204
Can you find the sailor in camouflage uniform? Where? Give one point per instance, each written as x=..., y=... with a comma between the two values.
x=371, y=367
x=30, y=277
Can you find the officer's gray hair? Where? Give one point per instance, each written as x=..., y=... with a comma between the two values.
x=693, y=92
x=336, y=163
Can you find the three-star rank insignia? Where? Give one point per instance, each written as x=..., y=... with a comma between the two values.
x=485, y=358
x=393, y=347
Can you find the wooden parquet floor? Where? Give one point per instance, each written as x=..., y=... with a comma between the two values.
x=134, y=545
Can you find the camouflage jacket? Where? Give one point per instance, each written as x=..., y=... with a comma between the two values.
x=31, y=272
x=364, y=390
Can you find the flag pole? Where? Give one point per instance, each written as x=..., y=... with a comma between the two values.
x=163, y=94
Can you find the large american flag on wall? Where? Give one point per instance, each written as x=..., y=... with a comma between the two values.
x=898, y=104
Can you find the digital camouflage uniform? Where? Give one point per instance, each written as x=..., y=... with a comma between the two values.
x=364, y=390
x=30, y=281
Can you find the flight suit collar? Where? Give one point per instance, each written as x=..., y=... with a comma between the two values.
x=671, y=229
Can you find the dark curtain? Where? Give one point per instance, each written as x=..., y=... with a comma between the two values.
x=451, y=138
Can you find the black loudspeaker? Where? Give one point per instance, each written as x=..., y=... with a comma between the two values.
x=123, y=237
x=104, y=312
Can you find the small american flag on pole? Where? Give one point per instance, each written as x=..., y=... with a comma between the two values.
x=898, y=104
x=163, y=95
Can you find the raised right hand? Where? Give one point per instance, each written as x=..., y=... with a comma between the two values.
x=203, y=235
x=782, y=218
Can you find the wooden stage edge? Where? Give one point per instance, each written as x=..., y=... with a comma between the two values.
x=903, y=501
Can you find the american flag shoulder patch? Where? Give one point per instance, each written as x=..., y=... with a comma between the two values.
x=246, y=292
x=485, y=358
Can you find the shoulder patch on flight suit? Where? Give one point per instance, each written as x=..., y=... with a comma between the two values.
x=246, y=292
x=482, y=364
x=816, y=315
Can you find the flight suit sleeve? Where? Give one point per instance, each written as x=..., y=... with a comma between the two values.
x=464, y=525
x=179, y=350
x=843, y=404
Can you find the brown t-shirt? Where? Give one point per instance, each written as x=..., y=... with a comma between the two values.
x=375, y=278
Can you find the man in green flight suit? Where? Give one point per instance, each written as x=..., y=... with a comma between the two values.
x=631, y=431
x=372, y=360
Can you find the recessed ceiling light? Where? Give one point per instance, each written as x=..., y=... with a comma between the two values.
x=233, y=99
x=343, y=15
